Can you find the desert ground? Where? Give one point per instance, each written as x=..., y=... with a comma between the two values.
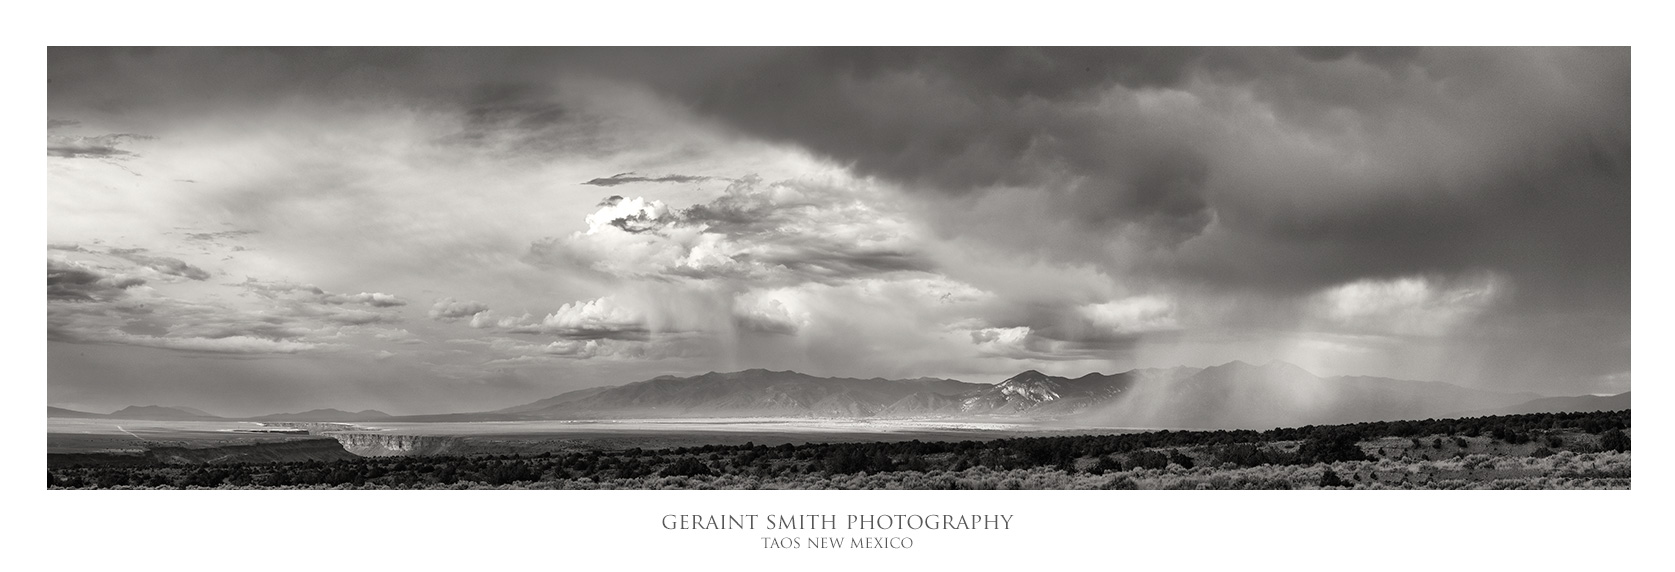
x=1544, y=451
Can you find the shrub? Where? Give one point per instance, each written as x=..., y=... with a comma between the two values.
x=1330, y=479
x=1614, y=440
x=1120, y=484
x=687, y=467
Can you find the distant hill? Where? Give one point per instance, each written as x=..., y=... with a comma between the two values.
x=325, y=415
x=70, y=413
x=557, y=400
x=180, y=413
x=754, y=393
x=160, y=413
x=1577, y=404
x=1233, y=395
x=198, y=412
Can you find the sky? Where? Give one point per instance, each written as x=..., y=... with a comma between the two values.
x=249, y=231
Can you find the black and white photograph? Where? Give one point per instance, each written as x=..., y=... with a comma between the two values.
x=866, y=286
x=838, y=268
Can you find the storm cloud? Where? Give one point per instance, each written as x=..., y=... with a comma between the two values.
x=1453, y=214
x=1278, y=169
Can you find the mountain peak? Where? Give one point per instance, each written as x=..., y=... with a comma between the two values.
x=1286, y=366
x=1027, y=375
x=756, y=372
x=1031, y=385
x=1272, y=367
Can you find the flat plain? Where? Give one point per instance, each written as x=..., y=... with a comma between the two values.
x=1546, y=451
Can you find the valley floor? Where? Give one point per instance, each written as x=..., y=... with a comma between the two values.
x=1540, y=451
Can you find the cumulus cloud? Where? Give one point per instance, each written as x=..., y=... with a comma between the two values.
x=1006, y=342
x=1077, y=330
x=1135, y=315
x=774, y=311
x=397, y=335
x=449, y=309
x=1023, y=343
x=375, y=299
x=761, y=233
x=591, y=319
x=520, y=353
x=1411, y=305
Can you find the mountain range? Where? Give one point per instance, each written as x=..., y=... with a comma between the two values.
x=1235, y=395
x=1232, y=395
x=752, y=393
x=1561, y=404
x=183, y=413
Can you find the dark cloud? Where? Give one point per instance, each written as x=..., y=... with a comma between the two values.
x=56, y=123
x=1021, y=344
x=629, y=332
x=1387, y=160
x=639, y=222
x=1285, y=170
x=91, y=305
x=520, y=107
x=163, y=264
x=1387, y=56
x=100, y=147
x=625, y=178
x=965, y=121
x=1253, y=178
x=822, y=261
x=281, y=289
x=70, y=282
x=218, y=236
x=521, y=119
x=764, y=325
